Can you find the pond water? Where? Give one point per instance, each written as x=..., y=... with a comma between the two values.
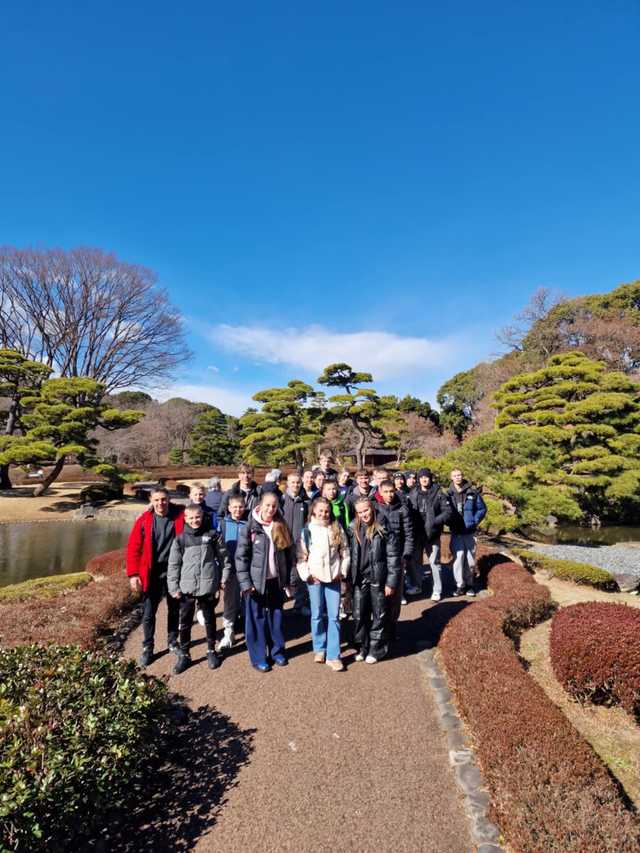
x=55, y=547
x=571, y=535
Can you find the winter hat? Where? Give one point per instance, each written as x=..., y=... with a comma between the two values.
x=425, y=472
x=273, y=476
x=408, y=474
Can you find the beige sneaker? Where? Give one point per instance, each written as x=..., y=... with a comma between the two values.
x=319, y=657
x=336, y=665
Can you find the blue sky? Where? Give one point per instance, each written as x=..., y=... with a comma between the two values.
x=379, y=183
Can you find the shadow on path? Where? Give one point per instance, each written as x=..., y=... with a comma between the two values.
x=183, y=799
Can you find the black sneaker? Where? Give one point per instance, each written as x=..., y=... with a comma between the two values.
x=214, y=660
x=459, y=592
x=183, y=662
x=146, y=657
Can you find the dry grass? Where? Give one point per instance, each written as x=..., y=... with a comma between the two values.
x=610, y=731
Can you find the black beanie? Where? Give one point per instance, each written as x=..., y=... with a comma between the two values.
x=425, y=472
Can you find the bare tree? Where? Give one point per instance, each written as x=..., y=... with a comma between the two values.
x=513, y=334
x=85, y=313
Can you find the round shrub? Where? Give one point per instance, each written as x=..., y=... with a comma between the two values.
x=595, y=653
x=76, y=730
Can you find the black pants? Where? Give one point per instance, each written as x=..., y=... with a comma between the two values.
x=150, y=603
x=207, y=604
x=370, y=619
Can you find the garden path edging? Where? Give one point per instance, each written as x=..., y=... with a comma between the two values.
x=469, y=780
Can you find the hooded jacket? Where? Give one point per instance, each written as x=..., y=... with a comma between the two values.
x=384, y=555
x=252, y=556
x=230, y=533
x=318, y=557
x=251, y=499
x=197, y=561
x=474, y=508
x=399, y=521
x=295, y=511
x=432, y=510
x=140, y=545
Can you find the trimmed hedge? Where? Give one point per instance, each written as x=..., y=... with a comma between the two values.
x=76, y=729
x=549, y=790
x=581, y=573
x=82, y=616
x=595, y=653
x=43, y=587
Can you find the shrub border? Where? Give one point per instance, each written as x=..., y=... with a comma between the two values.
x=549, y=789
x=580, y=573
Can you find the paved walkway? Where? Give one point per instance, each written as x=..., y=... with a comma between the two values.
x=305, y=759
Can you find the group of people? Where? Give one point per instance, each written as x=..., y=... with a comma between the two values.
x=343, y=549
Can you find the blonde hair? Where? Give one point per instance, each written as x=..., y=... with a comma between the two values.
x=335, y=536
x=373, y=527
x=280, y=535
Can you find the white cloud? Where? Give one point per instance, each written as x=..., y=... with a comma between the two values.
x=213, y=368
x=384, y=354
x=231, y=402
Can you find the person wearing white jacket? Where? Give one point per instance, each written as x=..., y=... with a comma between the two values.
x=323, y=561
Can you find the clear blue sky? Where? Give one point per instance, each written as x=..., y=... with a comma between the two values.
x=352, y=167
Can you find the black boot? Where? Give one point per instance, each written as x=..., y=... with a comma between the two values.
x=183, y=662
x=214, y=659
x=146, y=657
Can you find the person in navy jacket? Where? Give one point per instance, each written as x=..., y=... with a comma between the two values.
x=468, y=510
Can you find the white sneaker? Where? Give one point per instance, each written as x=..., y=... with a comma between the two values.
x=436, y=596
x=200, y=617
x=228, y=639
x=403, y=600
x=470, y=593
x=370, y=659
x=359, y=656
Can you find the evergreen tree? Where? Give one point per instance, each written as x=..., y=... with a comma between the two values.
x=288, y=426
x=213, y=439
x=19, y=377
x=60, y=422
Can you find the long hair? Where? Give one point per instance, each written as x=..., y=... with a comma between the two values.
x=280, y=535
x=335, y=536
x=373, y=527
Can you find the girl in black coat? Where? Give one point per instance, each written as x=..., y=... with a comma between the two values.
x=375, y=573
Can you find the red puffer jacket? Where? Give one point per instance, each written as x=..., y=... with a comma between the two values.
x=140, y=545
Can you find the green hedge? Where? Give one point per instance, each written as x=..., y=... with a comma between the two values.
x=581, y=573
x=43, y=587
x=76, y=729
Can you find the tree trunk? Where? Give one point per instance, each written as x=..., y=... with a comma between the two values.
x=42, y=487
x=5, y=480
x=362, y=440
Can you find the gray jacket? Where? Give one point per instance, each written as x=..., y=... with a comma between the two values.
x=196, y=562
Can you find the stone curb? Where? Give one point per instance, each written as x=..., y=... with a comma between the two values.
x=485, y=834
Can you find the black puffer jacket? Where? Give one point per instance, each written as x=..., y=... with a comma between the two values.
x=432, y=510
x=252, y=555
x=384, y=556
x=399, y=520
x=295, y=512
x=251, y=499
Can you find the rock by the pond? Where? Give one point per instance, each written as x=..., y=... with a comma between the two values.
x=622, y=560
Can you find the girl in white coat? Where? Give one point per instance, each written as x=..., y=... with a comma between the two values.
x=323, y=561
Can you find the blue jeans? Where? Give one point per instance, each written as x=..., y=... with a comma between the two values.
x=325, y=622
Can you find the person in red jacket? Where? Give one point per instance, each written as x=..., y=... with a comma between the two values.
x=147, y=560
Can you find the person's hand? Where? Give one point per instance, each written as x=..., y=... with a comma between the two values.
x=311, y=579
x=288, y=592
x=177, y=594
x=135, y=584
x=222, y=586
x=249, y=591
x=389, y=591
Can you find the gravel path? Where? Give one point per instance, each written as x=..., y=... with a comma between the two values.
x=306, y=759
x=620, y=560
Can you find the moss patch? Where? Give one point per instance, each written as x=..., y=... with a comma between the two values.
x=43, y=587
x=582, y=573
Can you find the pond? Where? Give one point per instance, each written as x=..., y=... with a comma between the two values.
x=35, y=550
x=573, y=535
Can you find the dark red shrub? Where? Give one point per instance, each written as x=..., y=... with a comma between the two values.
x=549, y=790
x=595, y=653
x=110, y=564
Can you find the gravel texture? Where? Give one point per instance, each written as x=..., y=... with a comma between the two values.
x=620, y=560
x=305, y=759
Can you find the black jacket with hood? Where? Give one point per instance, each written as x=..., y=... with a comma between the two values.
x=251, y=500
x=399, y=520
x=431, y=510
x=384, y=555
